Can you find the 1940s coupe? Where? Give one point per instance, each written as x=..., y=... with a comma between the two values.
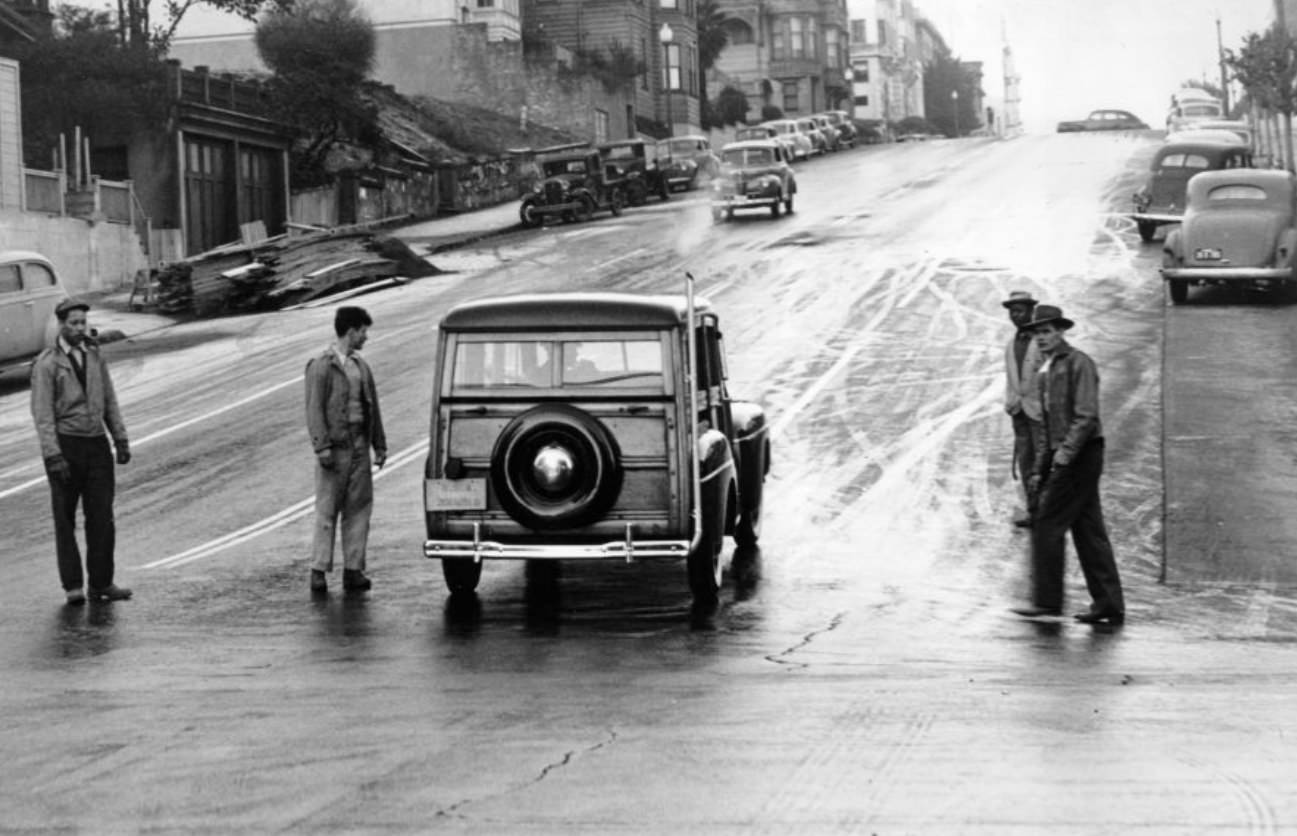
x=754, y=175
x=589, y=426
x=1239, y=228
x=1161, y=200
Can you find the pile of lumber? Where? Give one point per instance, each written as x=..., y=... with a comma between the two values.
x=285, y=270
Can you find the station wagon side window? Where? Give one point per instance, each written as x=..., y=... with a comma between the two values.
x=37, y=276
x=504, y=364
x=9, y=282
x=613, y=363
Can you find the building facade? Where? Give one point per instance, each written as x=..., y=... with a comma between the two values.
x=886, y=61
x=792, y=54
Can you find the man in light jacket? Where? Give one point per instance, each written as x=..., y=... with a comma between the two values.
x=73, y=401
x=344, y=421
x=1022, y=359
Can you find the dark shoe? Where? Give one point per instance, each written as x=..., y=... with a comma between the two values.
x=318, y=582
x=354, y=579
x=76, y=597
x=1034, y=611
x=112, y=592
x=1099, y=617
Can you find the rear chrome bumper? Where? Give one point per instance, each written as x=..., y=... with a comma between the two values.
x=744, y=201
x=628, y=549
x=1225, y=274
x=1155, y=217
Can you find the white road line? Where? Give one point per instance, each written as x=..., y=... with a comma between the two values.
x=621, y=257
x=292, y=513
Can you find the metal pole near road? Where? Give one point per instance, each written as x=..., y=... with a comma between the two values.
x=665, y=35
x=1224, y=80
x=954, y=98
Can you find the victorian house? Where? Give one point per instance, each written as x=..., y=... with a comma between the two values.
x=792, y=54
x=886, y=61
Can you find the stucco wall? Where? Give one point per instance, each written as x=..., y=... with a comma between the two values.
x=88, y=257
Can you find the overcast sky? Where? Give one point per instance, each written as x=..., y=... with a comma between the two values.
x=1077, y=55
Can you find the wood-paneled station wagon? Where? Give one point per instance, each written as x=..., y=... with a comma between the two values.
x=589, y=426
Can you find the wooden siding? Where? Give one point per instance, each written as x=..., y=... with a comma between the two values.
x=11, y=143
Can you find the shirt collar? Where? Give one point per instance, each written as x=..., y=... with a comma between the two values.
x=67, y=347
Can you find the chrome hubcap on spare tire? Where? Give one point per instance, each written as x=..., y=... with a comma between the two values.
x=552, y=469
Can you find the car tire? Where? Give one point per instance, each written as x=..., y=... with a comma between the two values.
x=585, y=211
x=617, y=202
x=664, y=191
x=596, y=468
x=528, y=215
x=1147, y=229
x=776, y=208
x=636, y=193
x=704, y=562
x=718, y=216
x=748, y=530
x=461, y=573
x=1179, y=289
x=788, y=203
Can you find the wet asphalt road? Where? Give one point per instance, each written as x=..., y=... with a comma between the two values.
x=861, y=677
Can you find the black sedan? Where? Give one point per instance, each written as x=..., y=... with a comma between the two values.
x=1104, y=120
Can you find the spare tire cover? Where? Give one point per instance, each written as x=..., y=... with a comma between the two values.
x=556, y=466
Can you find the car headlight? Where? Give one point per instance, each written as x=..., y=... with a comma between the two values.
x=537, y=188
x=688, y=165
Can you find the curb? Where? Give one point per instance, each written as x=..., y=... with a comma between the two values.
x=472, y=238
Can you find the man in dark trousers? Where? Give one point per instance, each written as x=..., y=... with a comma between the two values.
x=1069, y=462
x=1022, y=360
x=344, y=422
x=73, y=401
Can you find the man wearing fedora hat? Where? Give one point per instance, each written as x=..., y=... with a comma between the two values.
x=1022, y=360
x=73, y=403
x=1069, y=462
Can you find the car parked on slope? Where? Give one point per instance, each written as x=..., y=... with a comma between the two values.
x=1104, y=120
x=30, y=289
x=807, y=126
x=1239, y=228
x=750, y=133
x=637, y=166
x=1162, y=198
x=832, y=139
x=754, y=175
x=801, y=143
x=589, y=426
x=841, y=120
x=574, y=185
x=1191, y=105
x=687, y=161
x=1238, y=127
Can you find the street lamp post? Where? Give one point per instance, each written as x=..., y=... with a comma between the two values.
x=665, y=36
x=954, y=98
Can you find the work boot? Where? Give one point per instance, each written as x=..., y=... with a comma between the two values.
x=354, y=579
x=112, y=592
x=318, y=582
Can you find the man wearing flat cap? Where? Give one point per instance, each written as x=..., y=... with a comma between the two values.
x=1022, y=359
x=75, y=409
x=1069, y=462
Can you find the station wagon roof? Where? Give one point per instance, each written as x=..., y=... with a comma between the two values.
x=570, y=311
x=1278, y=184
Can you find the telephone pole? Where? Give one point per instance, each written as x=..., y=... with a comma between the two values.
x=1220, y=59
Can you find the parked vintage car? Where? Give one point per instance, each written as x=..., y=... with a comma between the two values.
x=573, y=186
x=688, y=161
x=841, y=120
x=1190, y=105
x=1238, y=127
x=1194, y=133
x=749, y=133
x=754, y=175
x=1104, y=120
x=807, y=126
x=637, y=166
x=832, y=139
x=1161, y=200
x=801, y=143
x=589, y=426
x=1239, y=228
x=29, y=291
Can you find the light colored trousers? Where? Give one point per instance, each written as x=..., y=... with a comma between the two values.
x=347, y=491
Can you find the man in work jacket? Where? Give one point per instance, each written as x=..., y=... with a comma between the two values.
x=1069, y=462
x=344, y=421
x=1022, y=360
x=73, y=401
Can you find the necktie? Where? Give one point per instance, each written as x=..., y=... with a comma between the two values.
x=78, y=365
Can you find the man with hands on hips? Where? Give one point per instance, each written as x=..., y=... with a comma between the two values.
x=73, y=402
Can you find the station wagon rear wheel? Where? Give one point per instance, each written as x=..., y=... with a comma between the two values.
x=461, y=573
x=704, y=563
x=748, y=530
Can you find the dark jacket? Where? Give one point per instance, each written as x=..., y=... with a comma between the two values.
x=326, y=403
x=1069, y=396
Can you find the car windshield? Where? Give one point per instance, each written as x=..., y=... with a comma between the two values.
x=529, y=364
x=683, y=147
x=554, y=167
x=748, y=156
x=1236, y=192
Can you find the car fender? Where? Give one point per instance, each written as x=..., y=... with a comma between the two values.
x=1286, y=247
x=1171, y=246
x=716, y=475
x=752, y=438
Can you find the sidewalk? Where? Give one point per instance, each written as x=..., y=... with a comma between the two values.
x=112, y=315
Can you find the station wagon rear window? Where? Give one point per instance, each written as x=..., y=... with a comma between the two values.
x=531, y=364
x=1236, y=192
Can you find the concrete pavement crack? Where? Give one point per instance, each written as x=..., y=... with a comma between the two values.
x=568, y=757
x=780, y=657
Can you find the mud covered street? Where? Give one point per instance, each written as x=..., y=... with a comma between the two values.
x=863, y=675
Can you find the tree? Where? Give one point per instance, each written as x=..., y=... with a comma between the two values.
x=321, y=52
x=731, y=106
x=950, y=95
x=1266, y=67
x=712, y=40
x=135, y=20
x=80, y=77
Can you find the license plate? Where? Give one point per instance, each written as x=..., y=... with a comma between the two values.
x=1206, y=254
x=454, y=494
